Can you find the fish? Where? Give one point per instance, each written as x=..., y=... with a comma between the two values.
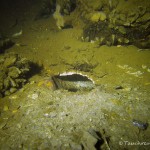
x=139, y=124
x=73, y=82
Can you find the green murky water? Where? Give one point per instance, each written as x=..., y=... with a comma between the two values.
x=39, y=117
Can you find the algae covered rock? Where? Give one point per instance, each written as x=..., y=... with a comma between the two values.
x=14, y=72
x=98, y=16
x=105, y=34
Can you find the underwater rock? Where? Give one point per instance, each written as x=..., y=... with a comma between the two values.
x=89, y=141
x=72, y=81
x=10, y=61
x=111, y=25
x=12, y=90
x=104, y=34
x=13, y=73
x=98, y=16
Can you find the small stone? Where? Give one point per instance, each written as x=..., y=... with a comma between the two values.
x=122, y=30
x=9, y=61
x=19, y=125
x=89, y=141
x=6, y=83
x=126, y=41
x=98, y=16
x=148, y=70
x=32, y=82
x=144, y=66
x=12, y=90
x=13, y=97
x=13, y=83
x=87, y=39
x=14, y=72
x=66, y=12
x=50, y=115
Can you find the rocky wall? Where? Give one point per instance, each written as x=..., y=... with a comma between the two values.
x=116, y=22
